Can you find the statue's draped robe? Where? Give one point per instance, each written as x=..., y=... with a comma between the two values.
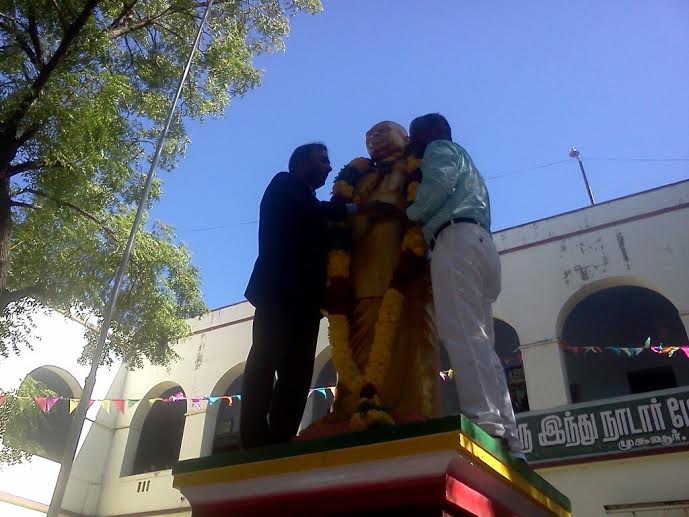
x=411, y=387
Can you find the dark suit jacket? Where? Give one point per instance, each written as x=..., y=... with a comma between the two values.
x=290, y=270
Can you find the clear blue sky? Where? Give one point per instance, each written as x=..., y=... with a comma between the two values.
x=520, y=82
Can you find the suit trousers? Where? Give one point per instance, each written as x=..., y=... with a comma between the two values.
x=465, y=271
x=277, y=374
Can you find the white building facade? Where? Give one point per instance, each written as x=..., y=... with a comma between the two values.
x=603, y=418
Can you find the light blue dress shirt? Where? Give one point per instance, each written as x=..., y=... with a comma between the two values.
x=451, y=187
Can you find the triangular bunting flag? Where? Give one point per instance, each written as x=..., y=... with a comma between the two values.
x=196, y=402
x=3, y=399
x=23, y=402
x=616, y=349
x=443, y=376
x=333, y=389
x=73, y=403
x=238, y=397
x=228, y=398
x=322, y=392
x=213, y=400
x=91, y=401
x=105, y=404
x=41, y=402
x=672, y=350
x=627, y=351
x=153, y=401
x=647, y=343
x=636, y=351
x=50, y=402
x=119, y=404
x=450, y=374
x=132, y=402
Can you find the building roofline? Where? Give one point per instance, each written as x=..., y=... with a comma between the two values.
x=609, y=201
x=614, y=200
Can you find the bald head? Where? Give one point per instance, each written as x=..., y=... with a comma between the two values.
x=427, y=128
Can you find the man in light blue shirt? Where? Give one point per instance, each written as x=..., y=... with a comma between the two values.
x=453, y=206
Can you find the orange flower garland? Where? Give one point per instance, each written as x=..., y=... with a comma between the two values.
x=369, y=411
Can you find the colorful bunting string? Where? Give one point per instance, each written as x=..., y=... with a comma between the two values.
x=46, y=404
x=629, y=351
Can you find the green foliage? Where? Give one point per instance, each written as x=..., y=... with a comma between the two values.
x=19, y=429
x=84, y=89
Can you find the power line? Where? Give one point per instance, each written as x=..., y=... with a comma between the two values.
x=639, y=159
x=503, y=174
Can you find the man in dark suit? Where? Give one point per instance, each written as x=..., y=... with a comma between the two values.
x=287, y=287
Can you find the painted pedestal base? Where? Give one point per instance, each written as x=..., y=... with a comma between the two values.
x=445, y=466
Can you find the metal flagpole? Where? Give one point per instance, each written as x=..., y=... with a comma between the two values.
x=96, y=356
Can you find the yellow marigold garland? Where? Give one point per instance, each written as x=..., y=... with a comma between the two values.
x=369, y=412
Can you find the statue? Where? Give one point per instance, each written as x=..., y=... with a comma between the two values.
x=380, y=309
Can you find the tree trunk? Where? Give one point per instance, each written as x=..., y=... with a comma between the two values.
x=5, y=231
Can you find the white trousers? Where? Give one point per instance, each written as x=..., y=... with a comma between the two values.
x=465, y=270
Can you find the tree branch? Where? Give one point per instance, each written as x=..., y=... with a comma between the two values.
x=25, y=166
x=35, y=39
x=24, y=205
x=74, y=207
x=128, y=27
x=7, y=297
x=15, y=116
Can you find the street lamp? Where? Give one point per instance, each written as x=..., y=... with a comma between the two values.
x=574, y=153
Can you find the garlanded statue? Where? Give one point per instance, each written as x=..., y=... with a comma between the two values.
x=379, y=301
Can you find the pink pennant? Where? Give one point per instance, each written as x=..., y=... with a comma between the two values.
x=685, y=349
x=3, y=399
x=50, y=402
x=196, y=402
x=119, y=404
x=91, y=402
x=42, y=402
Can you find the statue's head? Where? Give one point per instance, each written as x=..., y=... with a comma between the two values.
x=386, y=139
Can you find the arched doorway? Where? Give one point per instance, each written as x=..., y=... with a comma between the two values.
x=323, y=399
x=44, y=433
x=507, y=349
x=226, y=434
x=622, y=317
x=155, y=432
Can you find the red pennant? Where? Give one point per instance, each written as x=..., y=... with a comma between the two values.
x=119, y=404
x=91, y=402
x=42, y=402
x=3, y=399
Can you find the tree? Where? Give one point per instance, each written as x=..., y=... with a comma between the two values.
x=20, y=427
x=84, y=89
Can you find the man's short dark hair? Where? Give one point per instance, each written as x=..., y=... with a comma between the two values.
x=437, y=123
x=303, y=153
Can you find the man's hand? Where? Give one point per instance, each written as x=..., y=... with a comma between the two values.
x=379, y=210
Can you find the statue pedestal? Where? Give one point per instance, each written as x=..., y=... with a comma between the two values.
x=445, y=466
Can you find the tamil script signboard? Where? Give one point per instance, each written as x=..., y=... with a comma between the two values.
x=656, y=420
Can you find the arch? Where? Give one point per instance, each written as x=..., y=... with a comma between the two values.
x=319, y=363
x=211, y=442
x=506, y=343
x=605, y=283
x=155, y=431
x=616, y=318
x=44, y=433
x=322, y=402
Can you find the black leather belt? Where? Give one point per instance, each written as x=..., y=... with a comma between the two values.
x=450, y=223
